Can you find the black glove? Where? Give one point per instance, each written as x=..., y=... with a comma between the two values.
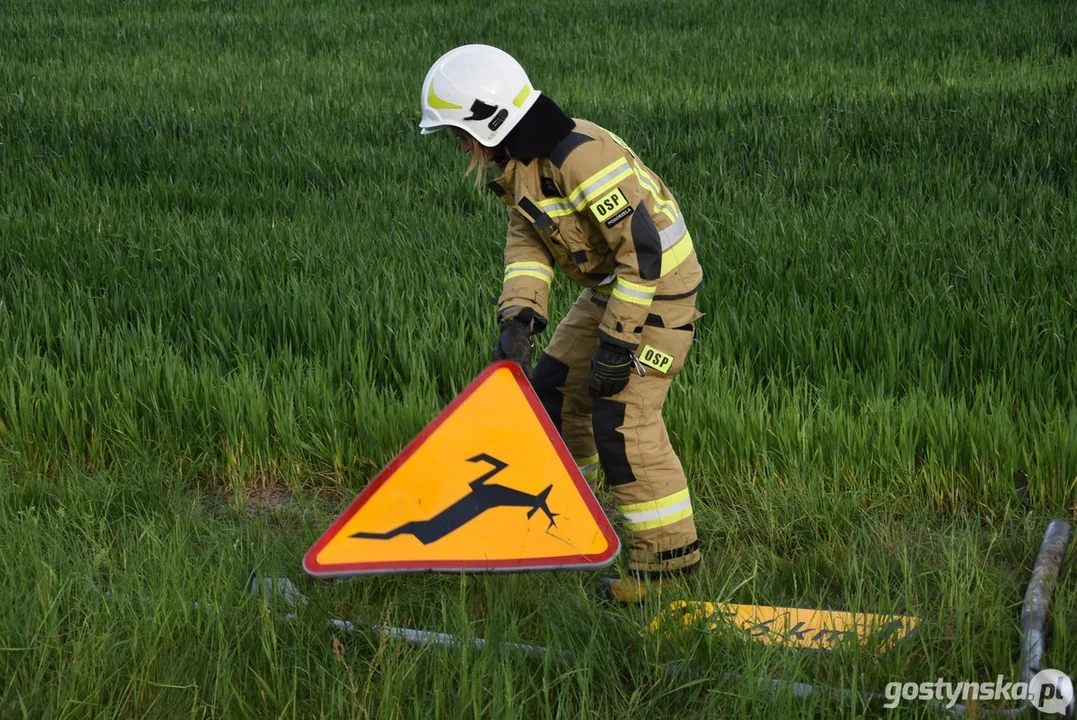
x=514, y=343
x=610, y=369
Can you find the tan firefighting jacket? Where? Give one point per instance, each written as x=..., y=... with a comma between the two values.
x=595, y=209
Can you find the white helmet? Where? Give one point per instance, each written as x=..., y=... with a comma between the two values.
x=479, y=89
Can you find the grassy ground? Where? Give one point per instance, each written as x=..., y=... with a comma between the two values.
x=231, y=267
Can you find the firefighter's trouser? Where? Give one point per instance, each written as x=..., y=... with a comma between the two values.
x=625, y=433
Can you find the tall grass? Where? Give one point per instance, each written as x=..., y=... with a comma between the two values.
x=224, y=237
x=127, y=599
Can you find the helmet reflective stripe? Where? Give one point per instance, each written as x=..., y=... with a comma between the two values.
x=521, y=96
x=479, y=89
x=437, y=103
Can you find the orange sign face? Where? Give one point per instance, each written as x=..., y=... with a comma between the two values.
x=488, y=486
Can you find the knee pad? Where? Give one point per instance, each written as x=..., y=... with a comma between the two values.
x=547, y=379
x=606, y=417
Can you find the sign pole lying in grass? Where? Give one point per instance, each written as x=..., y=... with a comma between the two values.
x=425, y=637
x=488, y=486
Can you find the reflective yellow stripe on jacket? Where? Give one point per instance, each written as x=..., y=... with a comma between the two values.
x=669, y=209
x=555, y=207
x=599, y=184
x=633, y=292
x=529, y=269
x=676, y=245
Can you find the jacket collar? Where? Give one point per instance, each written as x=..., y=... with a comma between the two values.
x=536, y=135
x=539, y=131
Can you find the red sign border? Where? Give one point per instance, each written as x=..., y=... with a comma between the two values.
x=580, y=562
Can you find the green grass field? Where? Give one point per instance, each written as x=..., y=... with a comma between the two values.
x=235, y=282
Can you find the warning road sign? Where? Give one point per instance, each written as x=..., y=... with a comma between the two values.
x=488, y=486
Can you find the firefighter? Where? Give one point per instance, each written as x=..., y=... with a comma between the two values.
x=580, y=199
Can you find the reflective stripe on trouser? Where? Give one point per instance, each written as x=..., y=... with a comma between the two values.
x=589, y=467
x=629, y=435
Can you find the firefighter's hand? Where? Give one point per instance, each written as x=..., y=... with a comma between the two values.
x=610, y=369
x=514, y=344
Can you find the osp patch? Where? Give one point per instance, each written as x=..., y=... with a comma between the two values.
x=612, y=208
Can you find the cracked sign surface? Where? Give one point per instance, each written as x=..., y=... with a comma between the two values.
x=488, y=486
x=794, y=627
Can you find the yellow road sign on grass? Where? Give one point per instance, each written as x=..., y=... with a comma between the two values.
x=488, y=486
x=796, y=627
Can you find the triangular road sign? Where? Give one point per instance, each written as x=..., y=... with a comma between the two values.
x=488, y=486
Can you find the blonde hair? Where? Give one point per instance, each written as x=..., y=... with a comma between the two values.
x=481, y=156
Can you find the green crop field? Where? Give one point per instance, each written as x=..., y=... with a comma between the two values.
x=235, y=282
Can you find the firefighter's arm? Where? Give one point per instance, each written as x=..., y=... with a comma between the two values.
x=609, y=194
x=528, y=274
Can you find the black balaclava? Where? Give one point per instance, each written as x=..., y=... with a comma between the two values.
x=538, y=132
